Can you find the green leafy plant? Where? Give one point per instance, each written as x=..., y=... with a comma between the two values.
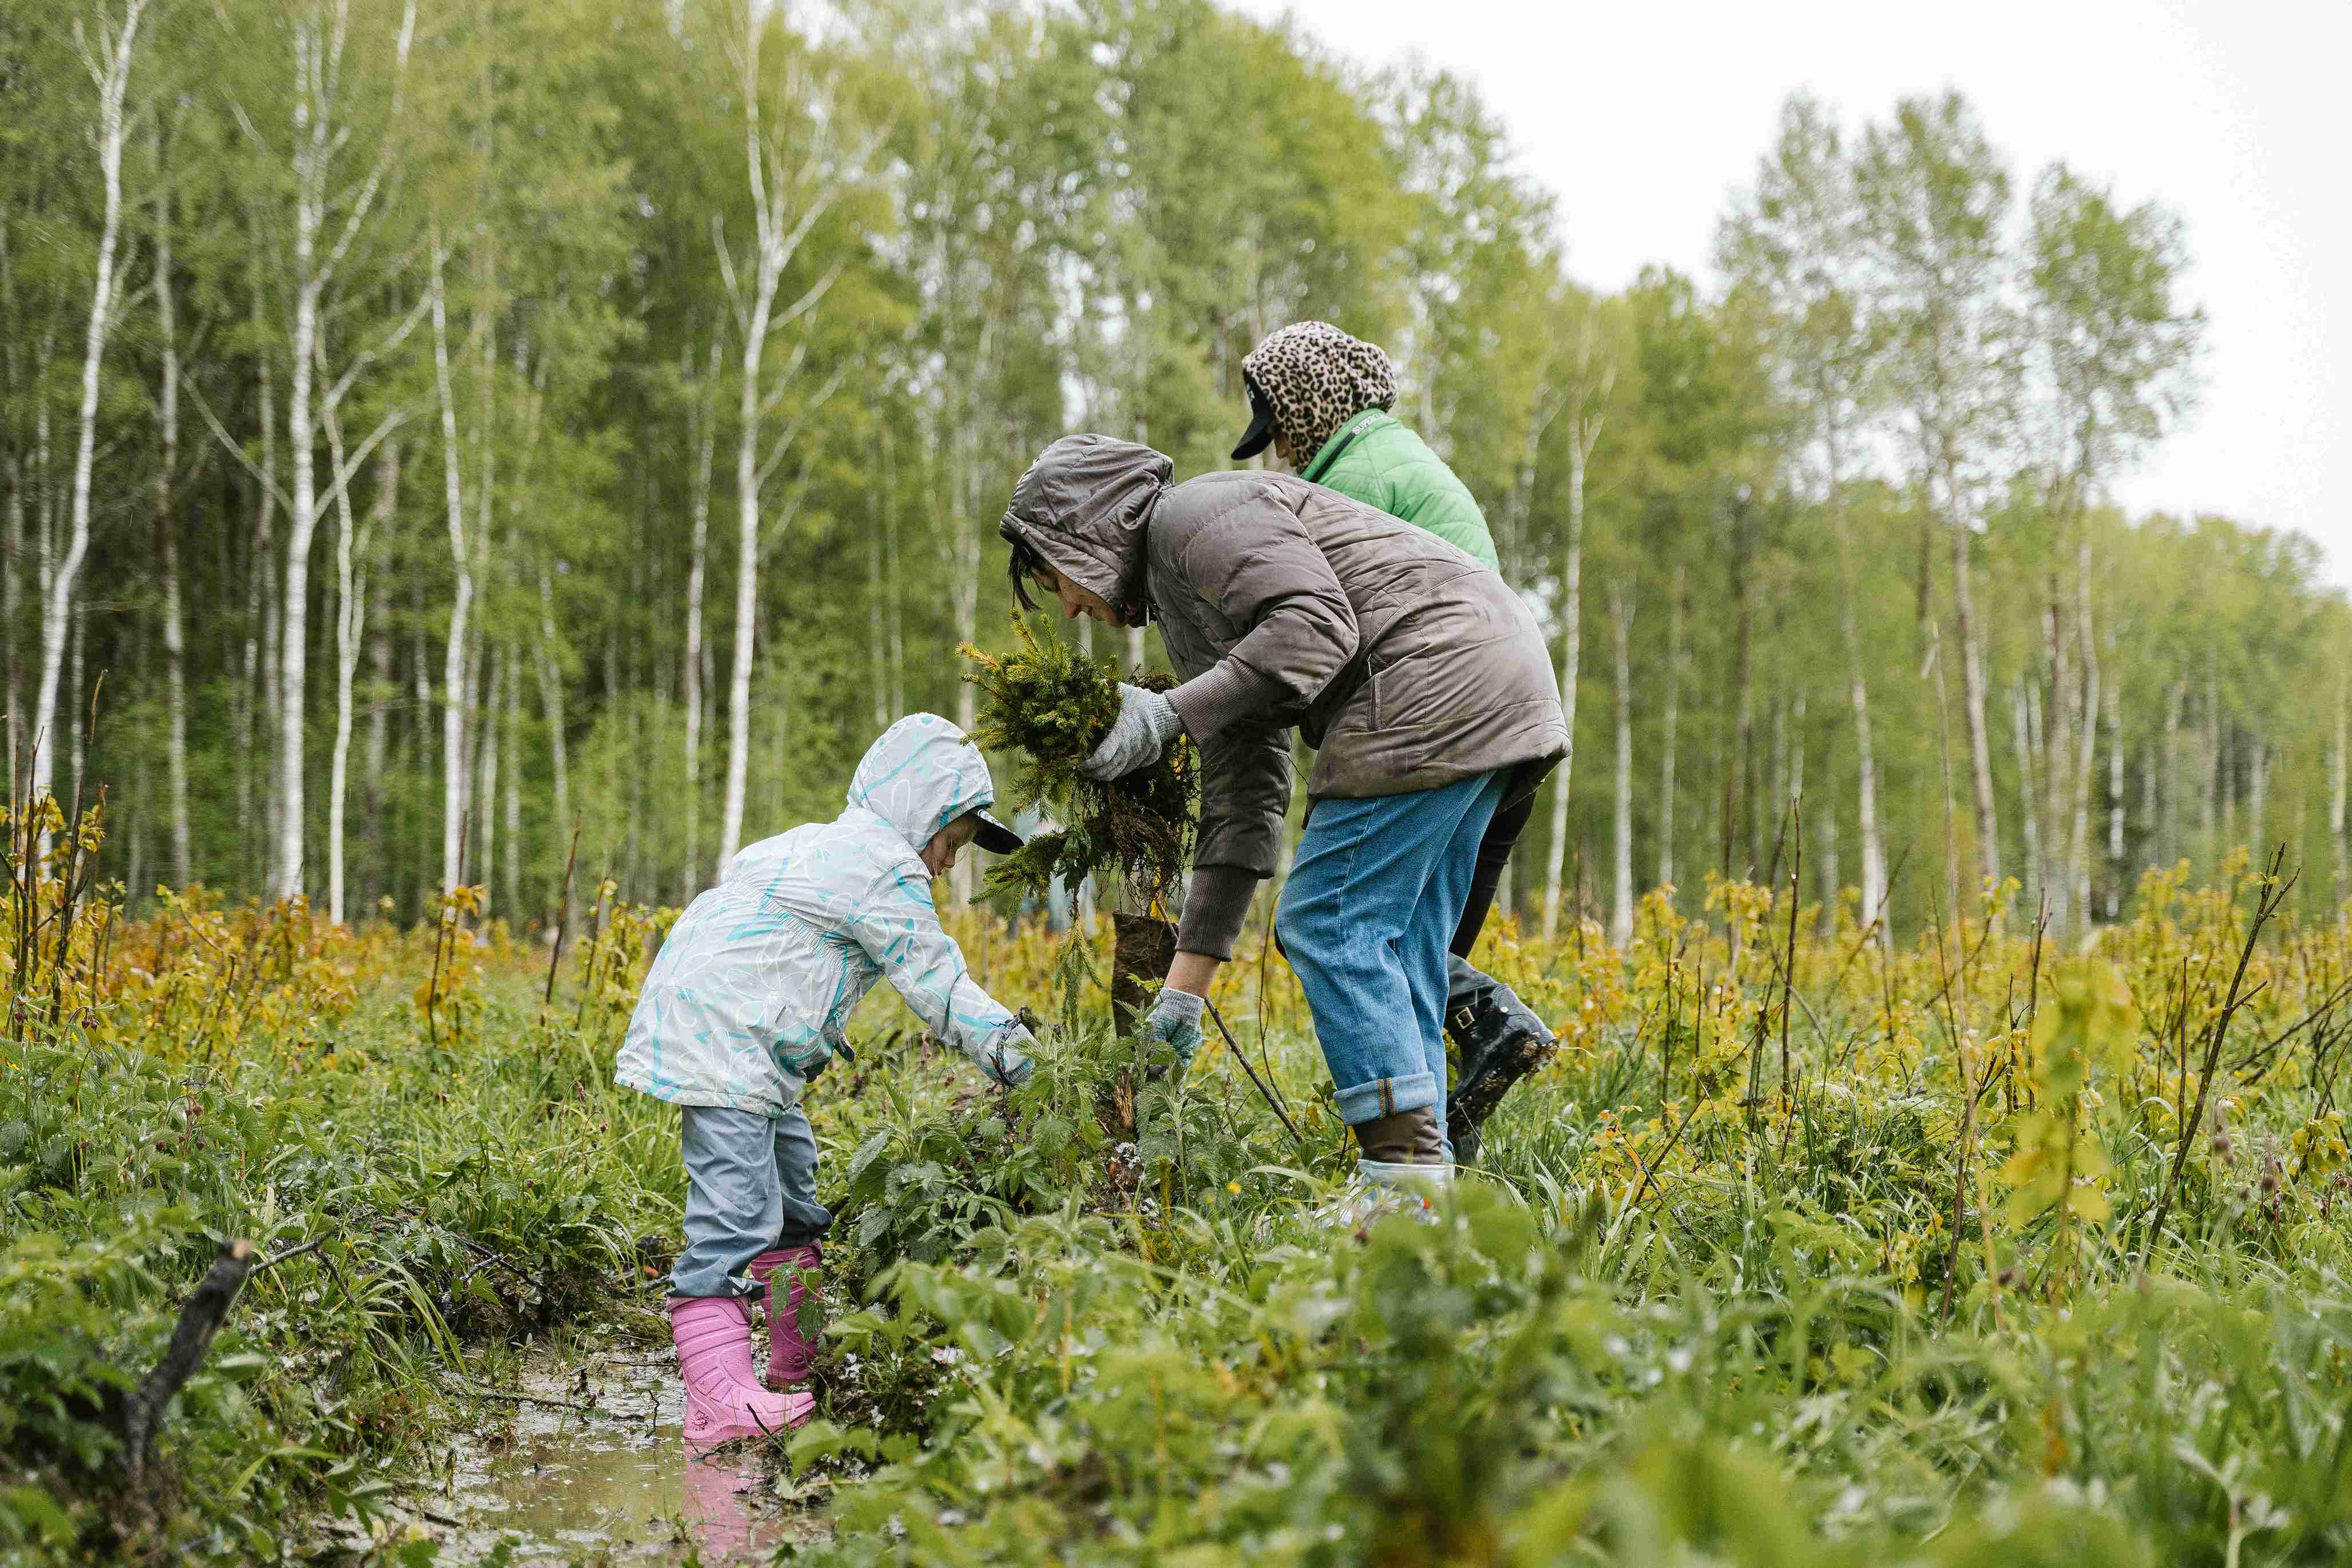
x=1053, y=704
x=2059, y=1163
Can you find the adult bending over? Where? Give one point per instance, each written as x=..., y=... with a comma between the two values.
x=1321, y=399
x=1419, y=678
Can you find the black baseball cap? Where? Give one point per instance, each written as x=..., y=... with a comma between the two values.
x=1260, y=434
x=993, y=835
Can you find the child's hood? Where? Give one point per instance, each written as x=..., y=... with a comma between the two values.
x=921, y=774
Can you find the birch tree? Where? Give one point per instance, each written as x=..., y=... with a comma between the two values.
x=345, y=130
x=1931, y=195
x=108, y=44
x=167, y=532
x=1621, y=627
x=797, y=167
x=1794, y=240
x=1589, y=374
x=2119, y=349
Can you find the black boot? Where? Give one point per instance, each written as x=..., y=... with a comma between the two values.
x=1500, y=1041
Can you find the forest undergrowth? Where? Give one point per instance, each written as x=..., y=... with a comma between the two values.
x=1803, y=1250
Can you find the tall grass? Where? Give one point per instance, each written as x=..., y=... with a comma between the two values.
x=1905, y=1300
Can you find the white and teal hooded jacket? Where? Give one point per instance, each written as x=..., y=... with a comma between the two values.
x=751, y=991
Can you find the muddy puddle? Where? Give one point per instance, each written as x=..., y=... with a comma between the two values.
x=583, y=1463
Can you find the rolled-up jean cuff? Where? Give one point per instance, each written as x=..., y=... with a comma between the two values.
x=1387, y=1096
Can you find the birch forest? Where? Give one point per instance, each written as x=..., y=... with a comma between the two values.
x=428, y=425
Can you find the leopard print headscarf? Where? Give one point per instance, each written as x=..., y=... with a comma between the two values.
x=1317, y=378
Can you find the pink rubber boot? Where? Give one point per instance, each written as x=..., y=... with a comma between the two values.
x=790, y=1354
x=724, y=1402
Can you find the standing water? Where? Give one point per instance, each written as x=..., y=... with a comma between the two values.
x=585, y=1462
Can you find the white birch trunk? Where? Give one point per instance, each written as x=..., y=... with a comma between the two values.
x=167, y=537
x=551, y=698
x=1591, y=402
x=12, y=537
x=1674, y=731
x=1621, y=915
x=777, y=236
x=351, y=590
x=2078, y=865
x=703, y=412
x=2168, y=839
x=2115, y=798
x=318, y=255
x=1972, y=703
x=350, y=613
x=2258, y=779
x=486, y=794
x=2022, y=739
x=109, y=63
x=2336, y=784
x=747, y=574
x=454, y=694
x=380, y=686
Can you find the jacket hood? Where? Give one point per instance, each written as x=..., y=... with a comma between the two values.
x=1083, y=505
x=1315, y=378
x=922, y=775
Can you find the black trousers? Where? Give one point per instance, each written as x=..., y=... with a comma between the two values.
x=1494, y=856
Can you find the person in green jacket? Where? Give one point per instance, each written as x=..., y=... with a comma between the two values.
x=1321, y=398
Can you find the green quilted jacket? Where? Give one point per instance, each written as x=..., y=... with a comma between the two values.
x=1376, y=460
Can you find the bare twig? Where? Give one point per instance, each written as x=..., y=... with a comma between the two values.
x=562, y=918
x=1235, y=1046
x=478, y=1392
x=2266, y=904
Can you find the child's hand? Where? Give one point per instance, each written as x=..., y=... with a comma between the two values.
x=1008, y=1064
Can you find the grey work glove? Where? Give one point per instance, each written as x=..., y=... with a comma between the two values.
x=1175, y=1021
x=1004, y=1059
x=1147, y=722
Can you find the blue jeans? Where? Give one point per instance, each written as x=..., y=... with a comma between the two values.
x=750, y=1187
x=1373, y=898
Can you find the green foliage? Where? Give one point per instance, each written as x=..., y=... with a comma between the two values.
x=1054, y=705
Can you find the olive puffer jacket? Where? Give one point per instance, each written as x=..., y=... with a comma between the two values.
x=1378, y=461
x=1405, y=663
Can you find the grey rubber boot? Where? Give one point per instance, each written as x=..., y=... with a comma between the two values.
x=1500, y=1041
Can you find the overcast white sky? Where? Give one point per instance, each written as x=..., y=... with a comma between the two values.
x=2235, y=113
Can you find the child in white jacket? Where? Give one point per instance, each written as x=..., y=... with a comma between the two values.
x=745, y=1004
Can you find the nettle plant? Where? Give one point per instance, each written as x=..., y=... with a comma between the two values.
x=2089, y=1027
x=1094, y=1125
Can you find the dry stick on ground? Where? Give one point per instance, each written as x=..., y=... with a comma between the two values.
x=1234, y=1045
x=2266, y=904
x=562, y=918
x=142, y=1410
x=478, y=1392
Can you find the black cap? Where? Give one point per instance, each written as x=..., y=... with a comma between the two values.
x=1260, y=434
x=993, y=835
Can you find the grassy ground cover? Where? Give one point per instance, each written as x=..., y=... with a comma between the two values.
x=1802, y=1251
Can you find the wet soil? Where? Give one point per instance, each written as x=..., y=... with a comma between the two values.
x=583, y=1462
